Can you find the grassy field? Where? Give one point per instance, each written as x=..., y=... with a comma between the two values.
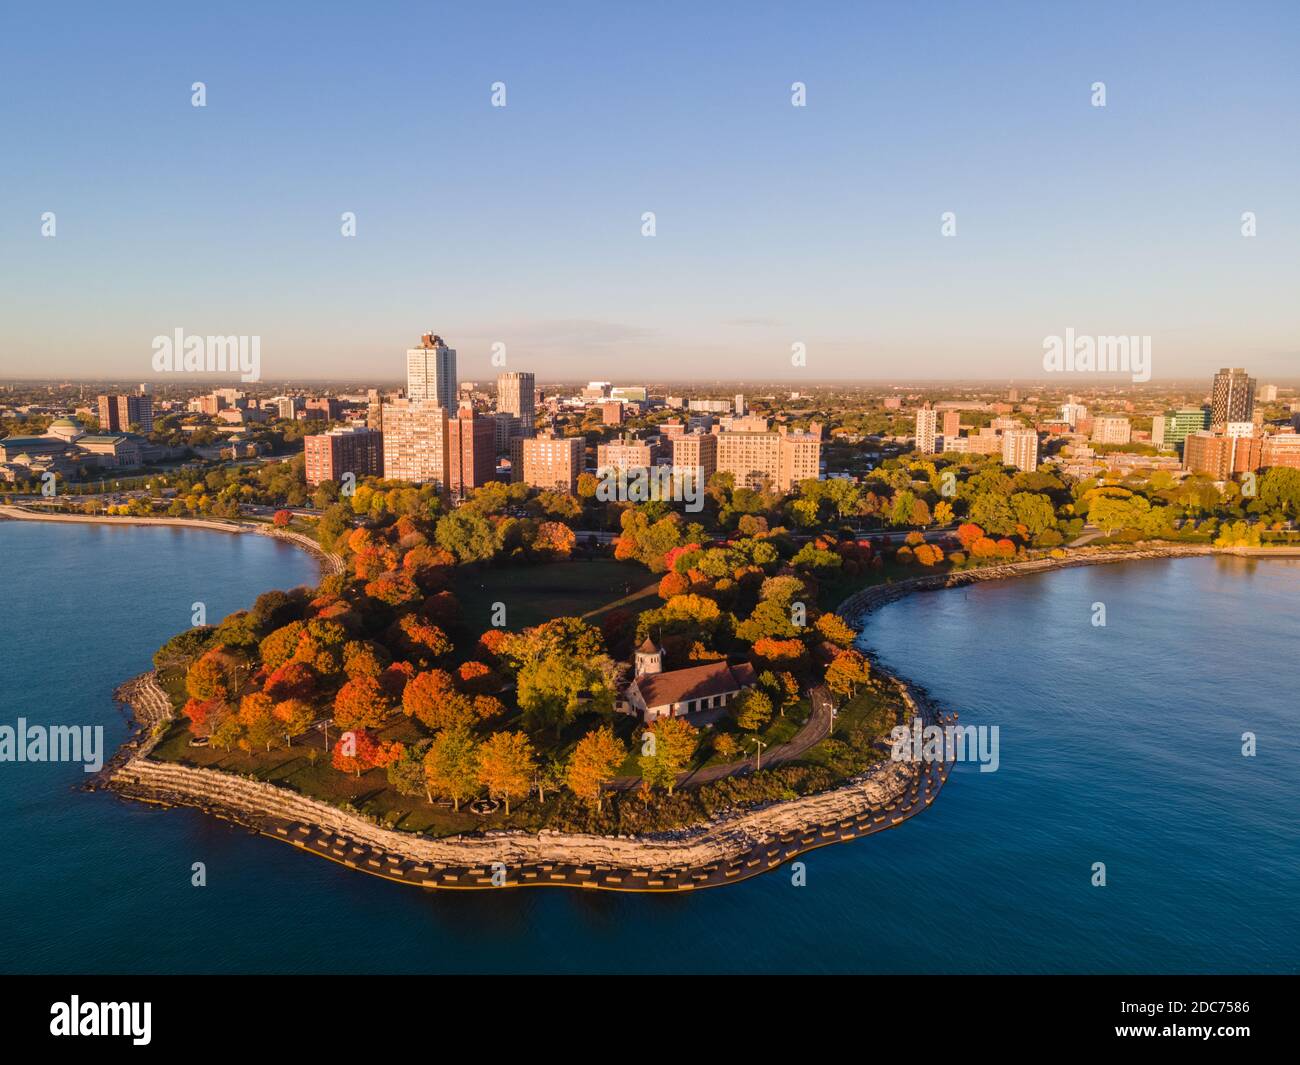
x=533, y=594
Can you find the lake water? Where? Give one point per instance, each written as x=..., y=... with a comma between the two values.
x=1118, y=745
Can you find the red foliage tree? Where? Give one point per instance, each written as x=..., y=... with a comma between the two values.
x=358, y=750
x=293, y=680
x=281, y=518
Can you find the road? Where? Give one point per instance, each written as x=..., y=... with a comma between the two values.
x=814, y=730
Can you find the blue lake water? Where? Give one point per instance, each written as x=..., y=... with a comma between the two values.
x=1118, y=745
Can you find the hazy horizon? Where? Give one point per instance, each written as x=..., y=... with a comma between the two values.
x=775, y=225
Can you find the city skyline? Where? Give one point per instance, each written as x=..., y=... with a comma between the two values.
x=775, y=225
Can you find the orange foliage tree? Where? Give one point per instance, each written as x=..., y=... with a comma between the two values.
x=361, y=703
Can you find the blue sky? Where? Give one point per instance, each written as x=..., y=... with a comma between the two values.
x=775, y=224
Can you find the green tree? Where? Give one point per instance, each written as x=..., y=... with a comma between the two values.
x=451, y=765
x=753, y=710
x=669, y=753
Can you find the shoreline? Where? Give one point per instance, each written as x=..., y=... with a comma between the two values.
x=330, y=563
x=724, y=850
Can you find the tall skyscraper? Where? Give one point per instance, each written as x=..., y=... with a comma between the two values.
x=1232, y=397
x=415, y=441
x=517, y=395
x=431, y=372
x=927, y=428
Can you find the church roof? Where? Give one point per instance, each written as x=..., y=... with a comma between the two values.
x=647, y=647
x=698, y=682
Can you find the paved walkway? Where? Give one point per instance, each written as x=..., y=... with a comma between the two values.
x=815, y=729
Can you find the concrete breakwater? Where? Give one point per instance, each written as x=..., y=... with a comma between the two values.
x=722, y=851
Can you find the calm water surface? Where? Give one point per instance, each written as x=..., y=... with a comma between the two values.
x=1118, y=744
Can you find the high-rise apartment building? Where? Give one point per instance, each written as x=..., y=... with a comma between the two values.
x=1073, y=413
x=1111, y=429
x=287, y=407
x=353, y=450
x=507, y=427
x=431, y=372
x=1020, y=449
x=415, y=441
x=751, y=458
x=1172, y=428
x=927, y=428
x=801, y=455
x=1220, y=455
x=549, y=462
x=951, y=423
x=1282, y=449
x=696, y=452
x=780, y=460
x=1232, y=397
x=117, y=414
x=517, y=395
x=624, y=454
x=471, y=452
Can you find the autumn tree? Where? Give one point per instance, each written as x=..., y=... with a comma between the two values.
x=295, y=717
x=260, y=728
x=432, y=699
x=669, y=753
x=594, y=763
x=203, y=715
x=725, y=746
x=451, y=765
x=358, y=751
x=554, y=539
x=507, y=763
x=293, y=680
x=834, y=630
x=847, y=671
x=207, y=678
x=752, y=709
x=361, y=703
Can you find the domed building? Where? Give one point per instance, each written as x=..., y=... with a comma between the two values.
x=66, y=429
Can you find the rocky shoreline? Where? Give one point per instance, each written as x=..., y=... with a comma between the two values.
x=729, y=848
x=721, y=851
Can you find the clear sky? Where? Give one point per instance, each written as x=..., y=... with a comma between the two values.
x=775, y=224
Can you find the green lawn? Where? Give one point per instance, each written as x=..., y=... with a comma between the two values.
x=533, y=594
